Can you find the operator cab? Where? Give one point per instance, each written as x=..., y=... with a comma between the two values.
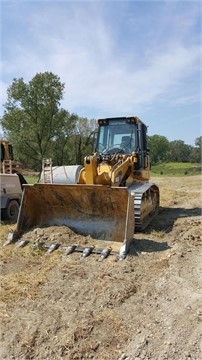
x=120, y=135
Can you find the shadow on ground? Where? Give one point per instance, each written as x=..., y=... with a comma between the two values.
x=163, y=222
x=166, y=218
x=145, y=245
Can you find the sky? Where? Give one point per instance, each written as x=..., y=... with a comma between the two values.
x=116, y=58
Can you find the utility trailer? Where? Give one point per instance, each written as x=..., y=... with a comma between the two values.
x=11, y=193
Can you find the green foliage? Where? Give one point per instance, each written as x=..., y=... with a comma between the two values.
x=161, y=150
x=60, y=146
x=179, y=151
x=158, y=147
x=196, y=152
x=198, y=142
x=83, y=139
x=33, y=120
x=38, y=128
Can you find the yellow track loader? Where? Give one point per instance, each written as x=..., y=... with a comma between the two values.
x=107, y=198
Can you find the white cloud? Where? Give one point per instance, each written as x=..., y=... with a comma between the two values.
x=114, y=87
x=79, y=45
x=3, y=92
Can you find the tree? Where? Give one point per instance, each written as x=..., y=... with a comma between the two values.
x=159, y=147
x=195, y=155
x=179, y=151
x=33, y=120
x=82, y=140
x=198, y=142
x=61, y=148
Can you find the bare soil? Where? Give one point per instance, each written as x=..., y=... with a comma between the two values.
x=148, y=306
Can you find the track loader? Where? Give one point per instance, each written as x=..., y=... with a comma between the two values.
x=108, y=198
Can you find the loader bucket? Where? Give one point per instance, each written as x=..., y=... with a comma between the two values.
x=103, y=212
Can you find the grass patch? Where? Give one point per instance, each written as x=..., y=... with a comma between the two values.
x=176, y=169
x=31, y=179
x=22, y=274
x=23, y=271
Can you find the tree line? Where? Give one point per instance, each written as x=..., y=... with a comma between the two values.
x=38, y=127
x=162, y=150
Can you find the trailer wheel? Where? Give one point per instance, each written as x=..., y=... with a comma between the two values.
x=12, y=210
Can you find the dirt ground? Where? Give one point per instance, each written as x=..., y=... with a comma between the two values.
x=149, y=306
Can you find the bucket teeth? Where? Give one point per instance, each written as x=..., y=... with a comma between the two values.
x=87, y=251
x=70, y=249
x=123, y=251
x=22, y=243
x=105, y=253
x=10, y=239
x=52, y=248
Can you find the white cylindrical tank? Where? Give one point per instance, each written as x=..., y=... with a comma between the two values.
x=64, y=174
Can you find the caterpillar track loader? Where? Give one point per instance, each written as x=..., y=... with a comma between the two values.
x=107, y=198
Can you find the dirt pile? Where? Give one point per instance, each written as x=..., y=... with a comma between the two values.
x=145, y=307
